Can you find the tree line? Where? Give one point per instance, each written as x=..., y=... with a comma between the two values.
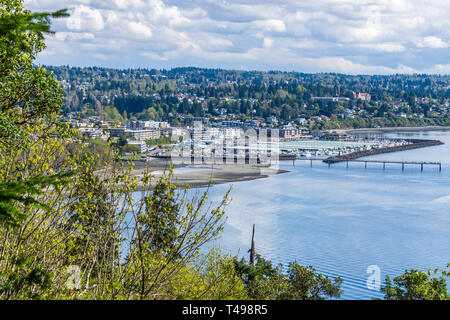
x=145, y=93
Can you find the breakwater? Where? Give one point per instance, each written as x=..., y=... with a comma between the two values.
x=413, y=144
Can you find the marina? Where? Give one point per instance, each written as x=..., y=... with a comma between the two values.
x=342, y=221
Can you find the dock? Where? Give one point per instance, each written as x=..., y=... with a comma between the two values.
x=384, y=162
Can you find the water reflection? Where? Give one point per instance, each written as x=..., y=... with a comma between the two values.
x=343, y=220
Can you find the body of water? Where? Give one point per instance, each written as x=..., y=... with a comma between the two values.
x=341, y=221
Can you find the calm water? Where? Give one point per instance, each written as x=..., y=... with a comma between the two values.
x=343, y=220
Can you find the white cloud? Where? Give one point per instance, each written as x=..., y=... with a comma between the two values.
x=439, y=69
x=267, y=42
x=138, y=29
x=74, y=36
x=85, y=18
x=445, y=199
x=270, y=25
x=128, y=4
x=342, y=65
x=385, y=47
x=374, y=36
x=432, y=42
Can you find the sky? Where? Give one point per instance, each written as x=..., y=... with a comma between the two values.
x=345, y=36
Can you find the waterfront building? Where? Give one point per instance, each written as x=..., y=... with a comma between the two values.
x=116, y=131
x=143, y=148
x=288, y=133
x=142, y=135
x=94, y=133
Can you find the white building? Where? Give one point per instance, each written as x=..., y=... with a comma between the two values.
x=141, y=144
x=142, y=135
x=94, y=133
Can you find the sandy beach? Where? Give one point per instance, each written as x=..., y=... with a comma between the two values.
x=204, y=175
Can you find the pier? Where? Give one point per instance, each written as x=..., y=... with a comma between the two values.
x=413, y=144
x=355, y=156
x=384, y=162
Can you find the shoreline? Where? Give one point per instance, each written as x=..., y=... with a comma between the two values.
x=390, y=129
x=198, y=176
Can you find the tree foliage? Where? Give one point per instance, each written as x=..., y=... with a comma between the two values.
x=15, y=195
x=263, y=281
x=27, y=92
x=417, y=285
x=72, y=213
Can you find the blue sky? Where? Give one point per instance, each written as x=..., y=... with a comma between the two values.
x=346, y=36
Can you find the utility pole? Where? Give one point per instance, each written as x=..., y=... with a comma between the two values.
x=252, y=248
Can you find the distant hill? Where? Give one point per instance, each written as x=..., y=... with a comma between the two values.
x=200, y=92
